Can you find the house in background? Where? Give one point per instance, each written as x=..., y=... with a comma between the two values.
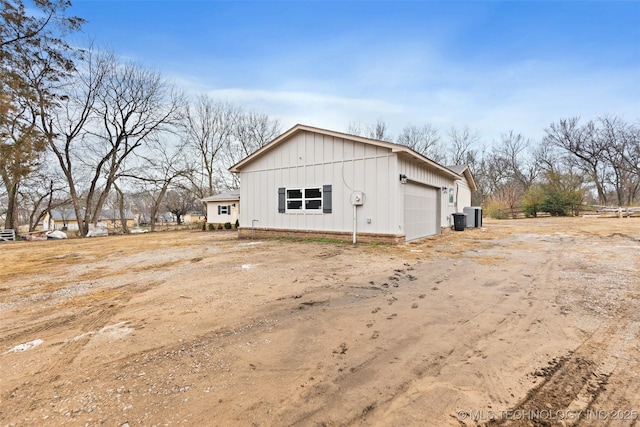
x=312, y=182
x=193, y=217
x=223, y=208
x=60, y=219
x=161, y=219
x=65, y=219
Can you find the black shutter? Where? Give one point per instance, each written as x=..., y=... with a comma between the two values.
x=219, y=209
x=326, y=199
x=281, y=200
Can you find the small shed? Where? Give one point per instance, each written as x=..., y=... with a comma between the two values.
x=223, y=207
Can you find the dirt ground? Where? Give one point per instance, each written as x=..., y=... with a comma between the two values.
x=526, y=322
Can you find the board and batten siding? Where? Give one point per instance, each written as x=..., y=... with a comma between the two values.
x=419, y=173
x=310, y=159
x=463, y=194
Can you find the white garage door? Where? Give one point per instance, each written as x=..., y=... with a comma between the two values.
x=420, y=211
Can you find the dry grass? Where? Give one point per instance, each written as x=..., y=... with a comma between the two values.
x=284, y=332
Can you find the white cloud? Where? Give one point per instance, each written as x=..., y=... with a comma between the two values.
x=311, y=108
x=402, y=88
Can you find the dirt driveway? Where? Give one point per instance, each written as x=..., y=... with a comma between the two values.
x=529, y=322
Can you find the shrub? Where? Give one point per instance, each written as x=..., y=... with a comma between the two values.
x=212, y=227
x=497, y=210
x=220, y=227
x=227, y=225
x=560, y=203
x=533, y=200
x=237, y=224
x=562, y=194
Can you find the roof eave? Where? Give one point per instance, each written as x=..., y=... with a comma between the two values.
x=410, y=153
x=395, y=148
x=469, y=176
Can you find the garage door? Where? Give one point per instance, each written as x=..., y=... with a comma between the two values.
x=420, y=211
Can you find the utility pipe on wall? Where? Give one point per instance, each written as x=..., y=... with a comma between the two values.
x=252, y=227
x=357, y=199
x=355, y=222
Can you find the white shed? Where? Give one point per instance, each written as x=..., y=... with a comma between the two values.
x=312, y=182
x=223, y=207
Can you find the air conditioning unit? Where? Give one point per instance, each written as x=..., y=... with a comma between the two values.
x=474, y=216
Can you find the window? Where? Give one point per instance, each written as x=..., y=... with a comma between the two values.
x=224, y=210
x=451, y=198
x=304, y=199
x=314, y=199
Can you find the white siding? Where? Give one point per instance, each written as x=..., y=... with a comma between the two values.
x=463, y=195
x=214, y=218
x=311, y=159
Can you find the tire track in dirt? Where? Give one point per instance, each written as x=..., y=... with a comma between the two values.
x=8, y=338
x=311, y=344
x=120, y=295
x=33, y=394
x=584, y=386
x=470, y=348
x=571, y=383
x=416, y=364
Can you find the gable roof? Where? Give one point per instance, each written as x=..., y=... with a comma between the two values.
x=402, y=150
x=233, y=195
x=465, y=170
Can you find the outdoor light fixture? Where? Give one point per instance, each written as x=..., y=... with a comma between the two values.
x=403, y=178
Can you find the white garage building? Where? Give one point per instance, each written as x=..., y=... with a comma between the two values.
x=312, y=182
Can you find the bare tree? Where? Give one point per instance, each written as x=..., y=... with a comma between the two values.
x=179, y=201
x=252, y=131
x=620, y=141
x=159, y=169
x=631, y=158
x=40, y=193
x=516, y=157
x=423, y=139
x=112, y=111
x=377, y=130
x=354, y=128
x=462, y=146
x=584, y=145
x=208, y=128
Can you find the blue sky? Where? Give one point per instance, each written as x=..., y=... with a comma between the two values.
x=493, y=66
